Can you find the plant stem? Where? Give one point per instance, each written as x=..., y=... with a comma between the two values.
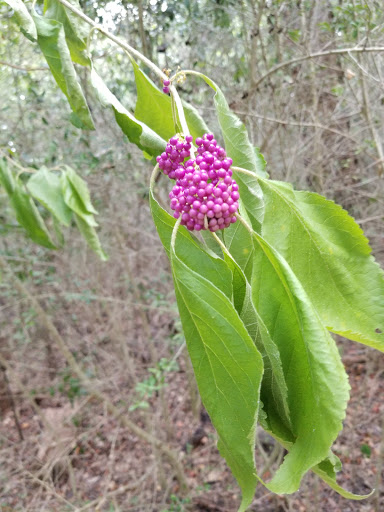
x=337, y=51
x=21, y=68
x=12, y=401
x=245, y=171
x=222, y=246
x=174, y=233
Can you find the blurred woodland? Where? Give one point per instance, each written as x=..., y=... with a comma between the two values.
x=135, y=437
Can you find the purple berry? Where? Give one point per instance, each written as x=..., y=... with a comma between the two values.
x=204, y=189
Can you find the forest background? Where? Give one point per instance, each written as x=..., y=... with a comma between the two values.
x=318, y=120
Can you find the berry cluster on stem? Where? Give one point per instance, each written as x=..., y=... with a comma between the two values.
x=205, y=195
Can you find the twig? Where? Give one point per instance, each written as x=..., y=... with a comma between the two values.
x=379, y=470
x=49, y=489
x=370, y=121
x=13, y=405
x=21, y=68
x=124, y=488
x=313, y=56
x=370, y=219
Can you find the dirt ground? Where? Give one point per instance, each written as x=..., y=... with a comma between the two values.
x=61, y=448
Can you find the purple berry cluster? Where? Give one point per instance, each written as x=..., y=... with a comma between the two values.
x=166, y=85
x=205, y=195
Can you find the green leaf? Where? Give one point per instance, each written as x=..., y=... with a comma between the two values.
x=45, y=186
x=75, y=34
x=51, y=39
x=261, y=163
x=154, y=108
x=316, y=380
x=235, y=135
x=90, y=235
x=136, y=131
x=6, y=178
x=274, y=390
x=274, y=393
x=326, y=470
x=23, y=18
x=329, y=254
x=76, y=196
x=25, y=209
x=227, y=365
x=81, y=188
x=331, y=481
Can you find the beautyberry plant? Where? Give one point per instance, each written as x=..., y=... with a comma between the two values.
x=262, y=273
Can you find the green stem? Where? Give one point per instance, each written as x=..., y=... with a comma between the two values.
x=246, y=225
x=154, y=175
x=245, y=171
x=174, y=233
x=222, y=246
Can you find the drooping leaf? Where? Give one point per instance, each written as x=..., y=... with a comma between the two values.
x=136, y=131
x=7, y=179
x=274, y=393
x=51, y=39
x=81, y=188
x=328, y=252
x=329, y=478
x=90, y=235
x=235, y=135
x=316, y=380
x=45, y=186
x=75, y=34
x=23, y=18
x=25, y=209
x=77, y=197
x=153, y=108
x=58, y=232
x=327, y=470
x=227, y=365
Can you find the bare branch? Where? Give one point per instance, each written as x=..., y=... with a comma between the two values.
x=21, y=68
x=338, y=51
